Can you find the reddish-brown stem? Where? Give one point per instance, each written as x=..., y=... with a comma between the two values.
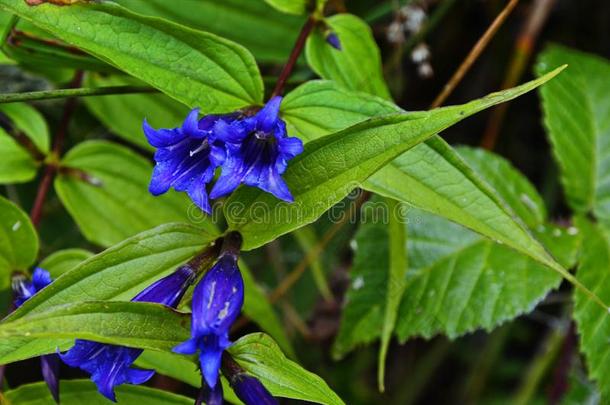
x=52, y=167
x=474, y=54
x=294, y=56
x=521, y=55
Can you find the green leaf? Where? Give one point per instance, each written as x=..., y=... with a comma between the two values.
x=30, y=122
x=160, y=110
x=17, y=164
x=593, y=323
x=120, y=205
x=267, y=33
x=61, y=261
x=133, y=324
x=18, y=241
x=320, y=107
x=577, y=117
x=78, y=392
x=332, y=166
x=357, y=66
x=261, y=357
x=396, y=283
x=290, y=6
x=194, y=67
x=122, y=271
x=459, y=282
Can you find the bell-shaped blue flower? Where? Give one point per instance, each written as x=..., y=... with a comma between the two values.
x=257, y=152
x=23, y=291
x=186, y=157
x=217, y=301
x=110, y=365
x=251, y=391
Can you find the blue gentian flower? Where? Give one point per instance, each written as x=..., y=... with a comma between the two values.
x=187, y=156
x=23, y=291
x=110, y=365
x=333, y=40
x=257, y=152
x=251, y=391
x=217, y=301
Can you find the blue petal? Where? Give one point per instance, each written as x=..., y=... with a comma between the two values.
x=268, y=115
x=190, y=126
x=271, y=182
x=251, y=391
x=230, y=178
x=210, y=364
x=162, y=137
x=170, y=289
x=198, y=193
x=41, y=278
x=213, y=396
x=49, y=365
x=138, y=376
x=188, y=347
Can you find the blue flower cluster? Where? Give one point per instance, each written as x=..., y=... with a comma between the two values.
x=217, y=302
x=250, y=149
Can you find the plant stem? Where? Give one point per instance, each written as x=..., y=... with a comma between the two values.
x=521, y=55
x=52, y=167
x=73, y=92
x=474, y=54
x=8, y=29
x=294, y=55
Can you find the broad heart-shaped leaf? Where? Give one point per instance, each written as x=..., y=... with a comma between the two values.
x=261, y=357
x=78, y=392
x=194, y=67
x=122, y=271
x=18, y=241
x=61, y=261
x=267, y=33
x=450, y=268
x=357, y=66
x=123, y=114
x=577, y=117
x=133, y=324
x=332, y=166
x=120, y=205
x=17, y=165
x=593, y=323
x=28, y=121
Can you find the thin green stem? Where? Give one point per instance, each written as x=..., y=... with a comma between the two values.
x=79, y=92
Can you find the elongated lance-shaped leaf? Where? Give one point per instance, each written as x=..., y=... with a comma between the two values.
x=78, y=392
x=134, y=324
x=431, y=176
x=194, y=67
x=332, y=166
x=396, y=281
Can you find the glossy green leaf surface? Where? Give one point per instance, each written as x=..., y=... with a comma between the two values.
x=194, y=67
x=114, y=203
x=18, y=241
x=357, y=66
x=261, y=357
x=27, y=120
